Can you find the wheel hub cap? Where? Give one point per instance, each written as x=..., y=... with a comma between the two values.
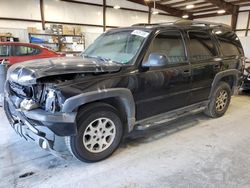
x=99, y=135
x=221, y=100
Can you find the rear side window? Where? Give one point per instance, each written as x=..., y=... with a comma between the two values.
x=201, y=46
x=4, y=50
x=170, y=44
x=25, y=51
x=229, y=42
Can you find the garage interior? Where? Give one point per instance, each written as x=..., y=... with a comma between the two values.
x=194, y=151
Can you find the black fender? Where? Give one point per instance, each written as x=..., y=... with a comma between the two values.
x=124, y=95
x=231, y=72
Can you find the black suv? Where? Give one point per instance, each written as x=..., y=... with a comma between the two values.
x=129, y=78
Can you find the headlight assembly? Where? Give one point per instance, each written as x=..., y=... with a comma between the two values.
x=51, y=102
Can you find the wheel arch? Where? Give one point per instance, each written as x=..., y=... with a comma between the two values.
x=121, y=98
x=229, y=76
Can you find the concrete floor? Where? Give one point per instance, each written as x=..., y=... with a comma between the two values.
x=195, y=151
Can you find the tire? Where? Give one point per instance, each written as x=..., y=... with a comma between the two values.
x=220, y=100
x=99, y=134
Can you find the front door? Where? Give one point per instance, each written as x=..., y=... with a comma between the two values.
x=167, y=87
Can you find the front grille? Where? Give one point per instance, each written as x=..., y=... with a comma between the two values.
x=21, y=91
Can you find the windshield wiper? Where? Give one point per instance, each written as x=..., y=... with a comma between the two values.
x=104, y=59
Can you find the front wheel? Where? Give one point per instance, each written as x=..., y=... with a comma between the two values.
x=99, y=134
x=220, y=100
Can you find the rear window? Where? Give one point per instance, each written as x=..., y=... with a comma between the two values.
x=4, y=50
x=201, y=46
x=25, y=51
x=229, y=42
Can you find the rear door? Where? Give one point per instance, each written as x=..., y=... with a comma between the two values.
x=205, y=63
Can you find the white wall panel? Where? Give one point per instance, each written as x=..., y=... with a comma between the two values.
x=218, y=19
x=127, y=4
x=72, y=12
x=162, y=18
x=242, y=20
x=92, y=1
x=19, y=24
x=240, y=33
x=28, y=9
x=123, y=18
x=245, y=41
x=22, y=34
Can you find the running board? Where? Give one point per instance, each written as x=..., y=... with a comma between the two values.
x=170, y=116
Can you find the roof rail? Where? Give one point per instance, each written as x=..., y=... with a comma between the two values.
x=186, y=22
x=153, y=24
x=207, y=24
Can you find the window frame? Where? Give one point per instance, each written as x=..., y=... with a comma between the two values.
x=240, y=50
x=186, y=62
x=214, y=42
x=14, y=48
x=8, y=50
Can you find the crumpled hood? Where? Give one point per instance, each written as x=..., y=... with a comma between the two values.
x=28, y=72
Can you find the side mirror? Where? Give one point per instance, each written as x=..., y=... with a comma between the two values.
x=156, y=60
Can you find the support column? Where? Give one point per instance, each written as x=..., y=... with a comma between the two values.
x=104, y=15
x=42, y=13
x=149, y=14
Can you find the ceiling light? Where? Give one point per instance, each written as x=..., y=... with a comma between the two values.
x=221, y=11
x=189, y=6
x=155, y=12
x=116, y=7
x=185, y=16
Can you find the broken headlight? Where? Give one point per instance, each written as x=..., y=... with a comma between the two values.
x=51, y=101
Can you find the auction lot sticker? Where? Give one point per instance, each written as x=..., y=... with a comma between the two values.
x=140, y=33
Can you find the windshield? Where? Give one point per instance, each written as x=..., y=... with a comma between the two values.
x=119, y=46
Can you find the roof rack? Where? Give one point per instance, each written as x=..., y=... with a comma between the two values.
x=186, y=22
x=153, y=24
x=205, y=23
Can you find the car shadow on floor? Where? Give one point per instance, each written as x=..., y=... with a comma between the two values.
x=138, y=137
x=244, y=92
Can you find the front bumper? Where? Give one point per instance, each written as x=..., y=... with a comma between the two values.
x=45, y=129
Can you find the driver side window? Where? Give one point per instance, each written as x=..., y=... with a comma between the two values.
x=169, y=44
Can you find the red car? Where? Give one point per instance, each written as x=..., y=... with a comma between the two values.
x=15, y=52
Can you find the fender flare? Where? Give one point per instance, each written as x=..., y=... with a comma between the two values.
x=124, y=95
x=231, y=72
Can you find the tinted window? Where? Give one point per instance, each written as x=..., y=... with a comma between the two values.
x=171, y=45
x=4, y=50
x=229, y=42
x=25, y=51
x=201, y=46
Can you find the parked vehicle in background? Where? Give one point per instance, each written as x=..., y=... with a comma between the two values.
x=15, y=52
x=129, y=78
x=246, y=81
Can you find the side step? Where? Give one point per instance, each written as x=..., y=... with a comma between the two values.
x=170, y=116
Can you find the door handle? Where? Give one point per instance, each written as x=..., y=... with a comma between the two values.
x=217, y=66
x=186, y=71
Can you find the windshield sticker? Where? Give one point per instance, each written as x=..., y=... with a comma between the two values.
x=140, y=33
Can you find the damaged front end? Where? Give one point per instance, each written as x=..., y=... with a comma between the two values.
x=34, y=111
x=34, y=103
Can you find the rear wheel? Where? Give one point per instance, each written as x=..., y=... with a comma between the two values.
x=220, y=100
x=99, y=134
